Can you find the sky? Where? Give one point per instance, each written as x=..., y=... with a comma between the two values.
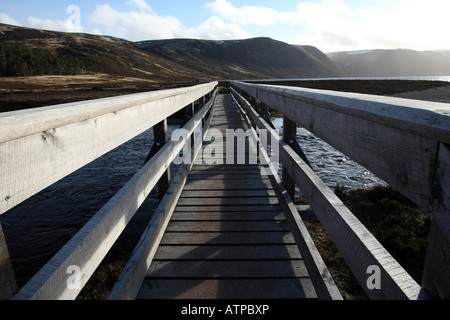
x=330, y=25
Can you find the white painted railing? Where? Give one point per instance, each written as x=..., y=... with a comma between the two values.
x=404, y=142
x=41, y=146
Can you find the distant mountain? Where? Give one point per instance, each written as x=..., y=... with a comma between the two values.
x=26, y=51
x=393, y=63
x=257, y=58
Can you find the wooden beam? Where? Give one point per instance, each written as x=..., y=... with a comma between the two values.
x=8, y=285
x=436, y=276
x=161, y=137
x=41, y=146
x=394, y=138
x=90, y=245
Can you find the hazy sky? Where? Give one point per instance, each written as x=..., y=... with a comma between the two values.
x=330, y=25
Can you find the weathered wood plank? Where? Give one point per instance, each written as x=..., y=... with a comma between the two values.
x=228, y=269
x=227, y=238
x=394, y=138
x=228, y=176
x=436, y=276
x=262, y=252
x=294, y=288
x=227, y=193
x=8, y=285
x=257, y=201
x=268, y=208
x=227, y=216
x=43, y=145
x=227, y=226
x=222, y=185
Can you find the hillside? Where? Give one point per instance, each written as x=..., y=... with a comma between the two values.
x=30, y=52
x=257, y=58
x=393, y=63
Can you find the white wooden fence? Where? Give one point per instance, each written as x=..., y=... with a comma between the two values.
x=41, y=146
x=404, y=142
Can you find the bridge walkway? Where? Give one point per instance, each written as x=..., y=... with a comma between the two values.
x=228, y=237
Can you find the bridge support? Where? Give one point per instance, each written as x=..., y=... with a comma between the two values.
x=161, y=138
x=436, y=276
x=8, y=286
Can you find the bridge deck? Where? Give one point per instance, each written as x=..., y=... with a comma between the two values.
x=228, y=237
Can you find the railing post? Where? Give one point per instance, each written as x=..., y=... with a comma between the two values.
x=436, y=275
x=289, y=135
x=160, y=139
x=8, y=286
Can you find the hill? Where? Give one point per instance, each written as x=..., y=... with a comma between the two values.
x=393, y=63
x=258, y=58
x=30, y=52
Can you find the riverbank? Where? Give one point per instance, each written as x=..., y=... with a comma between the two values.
x=31, y=92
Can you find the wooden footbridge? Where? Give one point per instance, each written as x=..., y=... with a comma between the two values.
x=226, y=226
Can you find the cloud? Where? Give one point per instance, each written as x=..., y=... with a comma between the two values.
x=6, y=19
x=214, y=28
x=147, y=25
x=140, y=4
x=71, y=24
x=58, y=25
x=333, y=25
x=245, y=14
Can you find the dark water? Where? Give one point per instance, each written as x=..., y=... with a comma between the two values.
x=39, y=227
x=333, y=167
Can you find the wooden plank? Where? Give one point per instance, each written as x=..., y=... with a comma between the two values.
x=436, y=281
x=349, y=235
x=41, y=146
x=227, y=238
x=228, y=269
x=262, y=252
x=224, y=177
x=227, y=201
x=227, y=226
x=267, y=208
x=231, y=289
x=8, y=285
x=227, y=193
x=227, y=216
x=222, y=185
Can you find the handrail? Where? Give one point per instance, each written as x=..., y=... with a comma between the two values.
x=43, y=145
x=404, y=142
x=115, y=121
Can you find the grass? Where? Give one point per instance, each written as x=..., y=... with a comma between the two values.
x=400, y=226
